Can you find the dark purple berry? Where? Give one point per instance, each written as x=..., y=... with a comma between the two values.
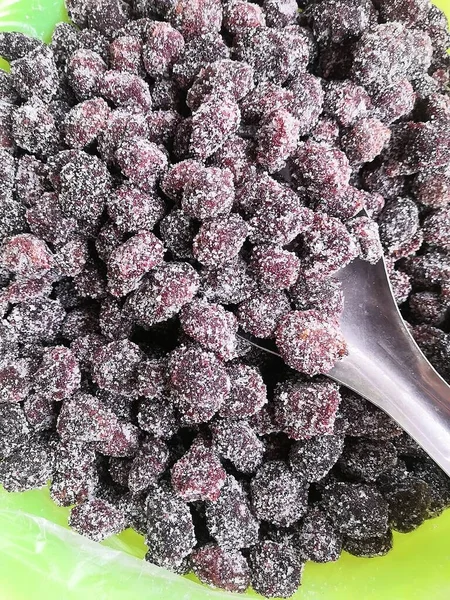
x=14, y=428
x=312, y=459
x=237, y=442
x=317, y=539
x=369, y=547
x=211, y=326
x=163, y=294
x=209, y=193
x=220, y=240
x=217, y=567
x=195, y=19
x=223, y=76
x=261, y=314
x=157, y=417
x=170, y=529
x=198, y=475
x=337, y=21
x=150, y=462
x=248, y=392
x=216, y=119
x=114, y=367
x=229, y=519
x=131, y=260
x=35, y=74
x=125, y=54
x=305, y=408
x=85, y=70
x=199, y=382
x=58, y=375
x=367, y=238
x=359, y=511
x=84, y=122
x=240, y=15
x=97, y=519
x=309, y=343
x=142, y=162
x=85, y=184
x=276, y=570
x=163, y=47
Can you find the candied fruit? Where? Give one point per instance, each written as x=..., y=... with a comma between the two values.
x=305, y=408
x=199, y=382
x=225, y=569
x=198, y=475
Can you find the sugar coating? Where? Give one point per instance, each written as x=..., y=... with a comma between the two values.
x=237, y=442
x=149, y=463
x=217, y=567
x=229, y=519
x=248, y=392
x=316, y=538
x=260, y=314
x=366, y=233
x=131, y=260
x=306, y=408
x=96, y=519
x=114, y=367
x=163, y=294
x=224, y=76
x=179, y=178
x=198, y=475
x=58, y=375
x=219, y=240
x=308, y=342
x=163, y=47
x=142, y=162
x=276, y=569
x=209, y=193
x=357, y=510
x=278, y=496
x=170, y=530
x=311, y=459
x=211, y=326
x=199, y=382
x=239, y=15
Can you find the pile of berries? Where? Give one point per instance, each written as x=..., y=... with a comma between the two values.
x=178, y=177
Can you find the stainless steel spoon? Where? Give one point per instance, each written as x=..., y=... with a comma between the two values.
x=385, y=365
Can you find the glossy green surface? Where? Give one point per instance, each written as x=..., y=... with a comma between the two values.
x=40, y=559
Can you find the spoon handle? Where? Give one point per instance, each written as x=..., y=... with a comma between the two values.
x=385, y=365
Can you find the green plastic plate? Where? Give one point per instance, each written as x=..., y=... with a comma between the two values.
x=41, y=559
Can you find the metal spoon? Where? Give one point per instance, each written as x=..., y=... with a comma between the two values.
x=385, y=365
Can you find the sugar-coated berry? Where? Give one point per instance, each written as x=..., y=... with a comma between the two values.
x=219, y=240
x=161, y=296
x=96, y=519
x=278, y=496
x=309, y=343
x=276, y=569
x=311, y=459
x=230, y=520
x=306, y=408
x=211, y=326
x=261, y=313
x=170, y=529
x=198, y=475
x=316, y=538
x=237, y=442
x=199, y=382
x=217, y=567
x=248, y=392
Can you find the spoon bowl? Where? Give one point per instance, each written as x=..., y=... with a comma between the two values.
x=384, y=363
